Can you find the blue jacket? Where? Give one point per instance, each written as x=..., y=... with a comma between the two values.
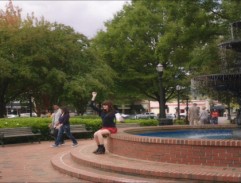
x=108, y=119
x=64, y=119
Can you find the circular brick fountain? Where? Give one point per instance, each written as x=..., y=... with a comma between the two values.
x=225, y=153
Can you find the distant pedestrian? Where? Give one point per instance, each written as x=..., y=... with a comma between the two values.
x=64, y=126
x=193, y=114
x=108, y=115
x=204, y=116
x=214, y=116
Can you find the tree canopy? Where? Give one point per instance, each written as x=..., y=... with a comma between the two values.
x=181, y=35
x=55, y=64
x=50, y=61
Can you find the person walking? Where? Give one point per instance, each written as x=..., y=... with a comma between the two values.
x=108, y=115
x=55, y=120
x=64, y=126
x=204, y=116
x=193, y=115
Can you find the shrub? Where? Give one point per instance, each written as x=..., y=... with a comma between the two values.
x=148, y=122
x=179, y=121
x=92, y=123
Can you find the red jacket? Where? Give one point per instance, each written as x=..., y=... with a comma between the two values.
x=214, y=114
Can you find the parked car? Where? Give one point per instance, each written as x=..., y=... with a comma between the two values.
x=146, y=115
x=28, y=115
x=170, y=116
x=12, y=115
x=182, y=116
x=124, y=115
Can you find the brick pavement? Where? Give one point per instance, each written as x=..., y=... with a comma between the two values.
x=31, y=163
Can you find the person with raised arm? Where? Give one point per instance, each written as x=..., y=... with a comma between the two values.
x=108, y=115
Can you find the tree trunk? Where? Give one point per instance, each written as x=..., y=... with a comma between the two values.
x=2, y=108
x=3, y=91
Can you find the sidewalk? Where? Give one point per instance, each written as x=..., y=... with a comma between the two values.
x=31, y=163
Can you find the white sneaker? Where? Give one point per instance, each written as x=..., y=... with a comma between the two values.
x=61, y=144
x=54, y=145
x=74, y=145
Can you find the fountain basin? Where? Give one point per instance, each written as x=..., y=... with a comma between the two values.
x=220, y=134
x=210, y=152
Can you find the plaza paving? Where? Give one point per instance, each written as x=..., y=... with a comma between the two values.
x=33, y=163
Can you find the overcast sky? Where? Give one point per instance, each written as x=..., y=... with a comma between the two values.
x=86, y=17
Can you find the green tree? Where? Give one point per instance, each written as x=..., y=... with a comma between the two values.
x=211, y=58
x=10, y=21
x=50, y=61
x=97, y=76
x=146, y=33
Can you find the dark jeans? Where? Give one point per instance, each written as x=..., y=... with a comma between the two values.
x=55, y=134
x=214, y=120
x=66, y=129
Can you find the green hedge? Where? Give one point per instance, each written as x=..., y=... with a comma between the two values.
x=180, y=122
x=148, y=122
x=91, y=123
x=41, y=124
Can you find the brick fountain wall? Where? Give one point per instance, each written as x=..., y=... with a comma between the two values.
x=225, y=153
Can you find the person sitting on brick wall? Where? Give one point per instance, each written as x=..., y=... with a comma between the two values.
x=108, y=115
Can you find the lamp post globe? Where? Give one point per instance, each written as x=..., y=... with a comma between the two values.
x=178, y=87
x=159, y=68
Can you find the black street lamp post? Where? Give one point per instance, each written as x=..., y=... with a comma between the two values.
x=187, y=107
x=162, y=113
x=178, y=88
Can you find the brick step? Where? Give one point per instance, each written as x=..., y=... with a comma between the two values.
x=65, y=164
x=110, y=162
